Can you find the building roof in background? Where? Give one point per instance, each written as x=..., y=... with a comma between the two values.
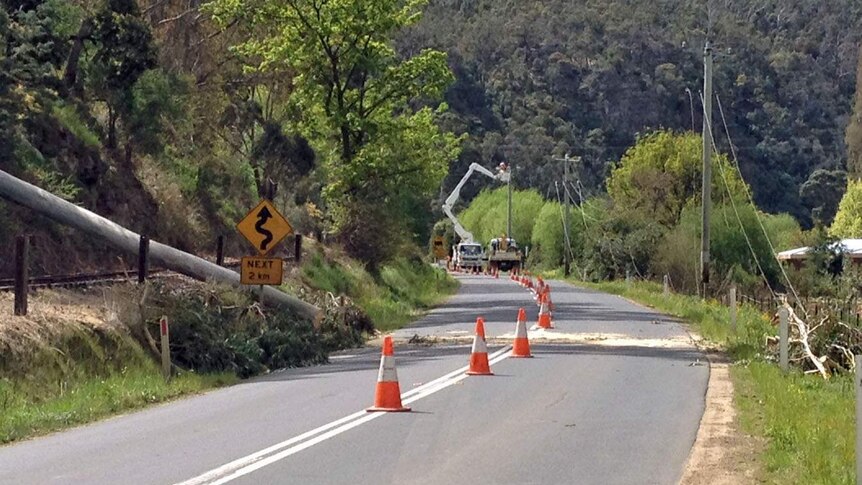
x=853, y=247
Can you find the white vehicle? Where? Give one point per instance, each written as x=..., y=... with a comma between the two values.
x=468, y=254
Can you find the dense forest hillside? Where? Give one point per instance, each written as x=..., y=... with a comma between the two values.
x=169, y=115
x=537, y=79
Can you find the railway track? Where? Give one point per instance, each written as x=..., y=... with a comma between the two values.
x=81, y=280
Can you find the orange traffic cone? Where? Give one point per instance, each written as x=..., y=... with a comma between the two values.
x=521, y=345
x=545, y=314
x=387, y=397
x=479, y=365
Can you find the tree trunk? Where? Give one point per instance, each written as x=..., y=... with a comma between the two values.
x=70, y=76
x=112, y=128
x=69, y=214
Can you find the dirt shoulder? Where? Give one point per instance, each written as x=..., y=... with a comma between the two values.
x=722, y=453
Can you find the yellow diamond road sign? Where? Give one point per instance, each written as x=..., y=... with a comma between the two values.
x=264, y=227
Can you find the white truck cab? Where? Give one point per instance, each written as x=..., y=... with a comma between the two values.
x=469, y=256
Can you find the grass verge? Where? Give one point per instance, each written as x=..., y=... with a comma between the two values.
x=807, y=422
x=92, y=398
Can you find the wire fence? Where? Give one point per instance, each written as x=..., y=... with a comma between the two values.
x=848, y=311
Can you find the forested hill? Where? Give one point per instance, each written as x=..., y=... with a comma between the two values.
x=538, y=78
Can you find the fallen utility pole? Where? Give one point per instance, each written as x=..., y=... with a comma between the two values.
x=64, y=212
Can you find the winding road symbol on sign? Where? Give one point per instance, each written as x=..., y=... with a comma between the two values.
x=263, y=216
x=264, y=227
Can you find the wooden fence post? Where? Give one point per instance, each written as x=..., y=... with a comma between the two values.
x=166, y=347
x=220, y=251
x=733, y=308
x=783, y=344
x=143, y=258
x=22, y=274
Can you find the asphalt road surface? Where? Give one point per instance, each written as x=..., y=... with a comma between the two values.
x=614, y=395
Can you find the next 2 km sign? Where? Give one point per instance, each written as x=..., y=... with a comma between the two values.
x=261, y=271
x=264, y=227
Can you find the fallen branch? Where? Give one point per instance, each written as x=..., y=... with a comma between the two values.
x=804, y=332
x=847, y=355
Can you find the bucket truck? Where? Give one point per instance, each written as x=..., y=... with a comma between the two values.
x=468, y=254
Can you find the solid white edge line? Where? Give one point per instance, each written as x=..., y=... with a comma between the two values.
x=247, y=460
x=337, y=431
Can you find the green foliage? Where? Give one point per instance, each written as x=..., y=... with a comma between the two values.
x=68, y=116
x=487, y=215
x=805, y=420
x=157, y=101
x=548, y=249
x=662, y=174
x=542, y=78
x=209, y=335
x=822, y=192
x=381, y=152
x=783, y=230
x=90, y=398
x=618, y=242
x=853, y=134
x=402, y=289
x=678, y=255
x=848, y=220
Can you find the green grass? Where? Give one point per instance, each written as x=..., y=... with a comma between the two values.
x=90, y=399
x=69, y=118
x=401, y=293
x=808, y=422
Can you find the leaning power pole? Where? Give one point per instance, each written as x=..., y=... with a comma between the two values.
x=707, y=164
x=509, y=207
x=567, y=266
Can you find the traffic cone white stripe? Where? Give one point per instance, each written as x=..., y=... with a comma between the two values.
x=479, y=345
x=521, y=331
x=387, y=372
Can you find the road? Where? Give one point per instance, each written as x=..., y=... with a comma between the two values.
x=614, y=395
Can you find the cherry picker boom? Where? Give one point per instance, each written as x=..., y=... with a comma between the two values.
x=468, y=254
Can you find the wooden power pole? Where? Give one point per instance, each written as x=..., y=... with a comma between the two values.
x=707, y=165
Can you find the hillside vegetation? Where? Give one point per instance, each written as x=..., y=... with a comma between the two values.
x=537, y=79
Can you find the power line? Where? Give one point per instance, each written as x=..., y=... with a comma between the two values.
x=756, y=215
x=735, y=210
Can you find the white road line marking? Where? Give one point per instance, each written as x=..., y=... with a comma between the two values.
x=247, y=464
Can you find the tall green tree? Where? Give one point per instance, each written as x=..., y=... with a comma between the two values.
x=662, y=174
x=848, y=220
x=124, y=52
x=359, y=101
x=853, y=135
x=822, y=192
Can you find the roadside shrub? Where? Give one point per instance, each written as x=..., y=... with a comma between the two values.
x=225, y=330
